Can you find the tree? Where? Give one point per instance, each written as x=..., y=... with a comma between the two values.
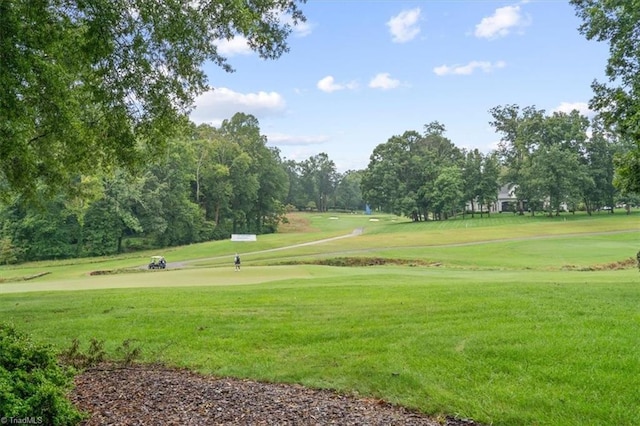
x=348, y=192
x=489, y=183
x=295, y=195
x=402, y=173
x=385, y=179
x=543, y=154
x=319, y=179
x=117, y=215
x=167, y=211
x=599, y=156
x=514, y=148
x=556, y=173
x=472, y=172
x=448, y=195
x=87, y=84
x=618, y=22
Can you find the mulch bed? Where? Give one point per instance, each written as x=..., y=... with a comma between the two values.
x=154, y=395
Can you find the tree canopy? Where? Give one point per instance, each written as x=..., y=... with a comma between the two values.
x=97, y=83
x=618, y=23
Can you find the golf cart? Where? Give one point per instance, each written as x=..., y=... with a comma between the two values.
x=157, y=262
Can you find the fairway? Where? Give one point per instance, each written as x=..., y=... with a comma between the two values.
x=505, y=320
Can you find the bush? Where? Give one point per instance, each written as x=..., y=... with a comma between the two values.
x=32, y=383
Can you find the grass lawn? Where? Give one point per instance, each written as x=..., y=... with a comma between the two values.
x=502, y=332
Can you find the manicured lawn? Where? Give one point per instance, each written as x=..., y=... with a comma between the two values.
x=501, y=332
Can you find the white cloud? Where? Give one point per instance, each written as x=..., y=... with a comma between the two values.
x=469, y=68
x=383, y=81
x=328, y=84
x=581, y=107
x=501, y=23
x=301, y=29
x=235, y=46
x=222, y=103
x=283, y=139
x=404, y=26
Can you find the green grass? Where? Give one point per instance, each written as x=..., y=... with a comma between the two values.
x=500, y=332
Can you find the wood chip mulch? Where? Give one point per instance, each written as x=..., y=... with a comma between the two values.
x=154, y=395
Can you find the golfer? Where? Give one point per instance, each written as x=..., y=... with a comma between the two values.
x=236, y=261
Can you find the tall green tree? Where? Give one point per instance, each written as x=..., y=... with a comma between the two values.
x=544, y=155
x=243, y=130
x=115, y=216
x=402, y=173
x=519, y=129
x=472, y=173
x=489, y=182
x=319, y=179
x=599, y=154
x=384, y=182
x=295, y=194
x=348, y=192
x=447, y=193
x=431, y=155
x=168, y=212
x=86, y=84
x=618, y=23
x=46, y=231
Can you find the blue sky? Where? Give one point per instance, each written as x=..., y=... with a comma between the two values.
x=360, y=72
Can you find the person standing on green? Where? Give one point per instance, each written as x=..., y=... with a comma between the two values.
x=236, y=261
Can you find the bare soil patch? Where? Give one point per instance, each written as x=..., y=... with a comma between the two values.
x=296, y=223
x=154, y=395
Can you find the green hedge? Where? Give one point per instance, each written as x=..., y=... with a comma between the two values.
x=33, y=385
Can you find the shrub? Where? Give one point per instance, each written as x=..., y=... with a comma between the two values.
x=32, y=383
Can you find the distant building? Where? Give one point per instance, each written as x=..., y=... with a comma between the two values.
x=508, y=202
x=505, y=202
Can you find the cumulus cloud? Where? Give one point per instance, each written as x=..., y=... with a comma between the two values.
x=301, y=29
x=235, y=46
x=292, y=140
x=581, y=107
x=328, y=84
x=222, y=103
x=404, y=26
x=383, y=81
x=502, y=22
x=469, y=68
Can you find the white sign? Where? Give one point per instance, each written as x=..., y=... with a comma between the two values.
x=243, y=237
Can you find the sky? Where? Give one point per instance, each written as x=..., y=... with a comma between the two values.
x=362, y=71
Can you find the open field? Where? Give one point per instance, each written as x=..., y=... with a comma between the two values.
x=523, y=321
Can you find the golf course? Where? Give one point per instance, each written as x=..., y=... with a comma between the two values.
x=505, y=320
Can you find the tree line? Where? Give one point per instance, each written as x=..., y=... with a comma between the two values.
x=550, y=162
x=211, y=182
x=207, y=184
